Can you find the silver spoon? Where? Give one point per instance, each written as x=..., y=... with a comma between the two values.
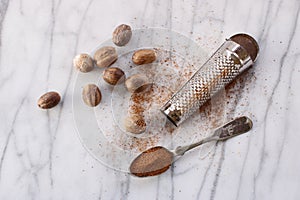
x=157, y=160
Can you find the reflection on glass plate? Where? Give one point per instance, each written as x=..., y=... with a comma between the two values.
x=101, y=129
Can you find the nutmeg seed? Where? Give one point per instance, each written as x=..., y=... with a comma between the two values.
x=105, y=56
x=83, y=62
x=91, y=95
x=135, y=124
x=49, y=100
x=122, y=35
x=113, y=76
x=144, y=56
x=137, y=83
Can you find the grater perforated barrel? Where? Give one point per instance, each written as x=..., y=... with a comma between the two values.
x=232, y=58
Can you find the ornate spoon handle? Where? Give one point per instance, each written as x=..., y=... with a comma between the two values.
x=233, y=128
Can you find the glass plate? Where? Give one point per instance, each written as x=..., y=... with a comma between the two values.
x=101, y=129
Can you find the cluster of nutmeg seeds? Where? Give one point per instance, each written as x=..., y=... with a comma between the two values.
x=104, y=57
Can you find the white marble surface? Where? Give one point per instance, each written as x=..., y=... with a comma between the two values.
x=41, y=155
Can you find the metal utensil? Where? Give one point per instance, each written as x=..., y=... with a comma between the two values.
x=235, y=55
x=157, y=160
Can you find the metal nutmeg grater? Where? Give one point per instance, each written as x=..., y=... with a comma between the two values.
x=234, y=56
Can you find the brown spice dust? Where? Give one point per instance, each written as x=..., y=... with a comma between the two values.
x=152, y=162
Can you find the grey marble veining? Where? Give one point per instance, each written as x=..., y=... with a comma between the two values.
x=41, y=156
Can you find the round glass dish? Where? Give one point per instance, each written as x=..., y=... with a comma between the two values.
x=101, y=129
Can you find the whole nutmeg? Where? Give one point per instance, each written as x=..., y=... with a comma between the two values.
x=135, y=124
x=144, y=56
x=105, y=56
x=49, y=100
x=122, y=35
x=83, y=62
x=91, y=95
x=137, y=83
x=113, y=75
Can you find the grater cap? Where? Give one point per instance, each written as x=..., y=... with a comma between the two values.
x=248, y=43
